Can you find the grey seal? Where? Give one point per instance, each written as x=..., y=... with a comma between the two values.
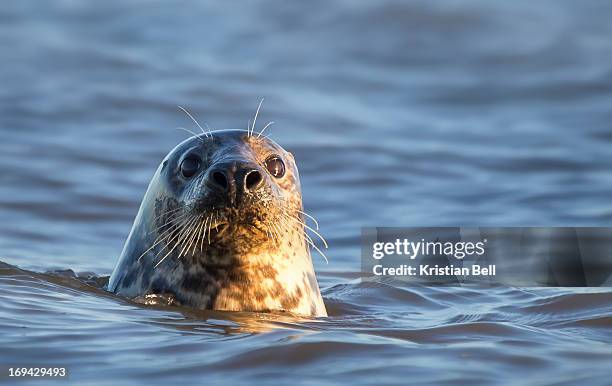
x=222, y=227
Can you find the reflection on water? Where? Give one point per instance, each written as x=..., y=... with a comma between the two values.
x=398, y=113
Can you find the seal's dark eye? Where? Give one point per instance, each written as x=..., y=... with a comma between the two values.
x=275, y=166
x=190, y=166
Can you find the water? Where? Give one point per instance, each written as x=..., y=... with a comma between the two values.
x=398, y=113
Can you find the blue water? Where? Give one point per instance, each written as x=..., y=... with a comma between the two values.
x=398, y=113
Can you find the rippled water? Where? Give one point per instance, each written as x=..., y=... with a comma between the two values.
x=398, y=113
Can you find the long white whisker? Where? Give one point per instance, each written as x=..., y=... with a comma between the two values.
x=167, y=245
x=310, y=217
x=302, y=223
x=176, y=244
x=265, y=127
x=194, y=242
x=177, y=235
x=198, y=227
x=171, y=229
x=193, y=119
x=255, y=118
x=171, y=221
x=159, y=239
x=189, y=239
x=320, y=252
x=192, y=133
x=312, y=230
x=275, y=233
x=209, y=226
x=279, y=233
x=167, y=212
x=176, y=224
x=204, y=234
x=186, y=231
x=200, y=234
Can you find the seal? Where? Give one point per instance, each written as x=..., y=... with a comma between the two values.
x=222, y=227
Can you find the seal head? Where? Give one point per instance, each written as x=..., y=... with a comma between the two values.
x=222, y=227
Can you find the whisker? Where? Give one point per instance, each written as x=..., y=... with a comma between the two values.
x=192, y=133
x=204, y=234
x=267, y=229
x=193, y=119
x=185, y=231
x=167, y=212
x=189, y=239
x=265, y=127
x=312, y=230
x=172, y=220
x=209, y=130
x=209, y=226
x=307, y=238
x=177, y=235
x=280, y=232
x=320, y=252
x=277, y=238
x=176, y=244
x=255, y=118
x=199, y=234
x=165, y=234
x=310, y=217
x=173, y=228
x=158, y=240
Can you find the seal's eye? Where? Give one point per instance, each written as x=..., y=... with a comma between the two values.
x=190, y=166
x=275, y=166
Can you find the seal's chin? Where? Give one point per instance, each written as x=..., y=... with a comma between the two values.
x=231, y=225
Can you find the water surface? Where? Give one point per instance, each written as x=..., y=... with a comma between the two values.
x=398, y=113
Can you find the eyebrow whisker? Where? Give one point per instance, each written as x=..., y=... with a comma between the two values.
x=265, y=127
x=255, y=118
x=193, y=119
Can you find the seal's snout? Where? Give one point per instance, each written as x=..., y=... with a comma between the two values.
x=235, y=180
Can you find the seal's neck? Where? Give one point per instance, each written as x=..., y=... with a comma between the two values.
x=281, y=279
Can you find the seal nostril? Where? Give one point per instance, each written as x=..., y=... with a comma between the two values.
x=252, y=180
x=220, y=179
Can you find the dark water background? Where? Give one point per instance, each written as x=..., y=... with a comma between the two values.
x=398, y=113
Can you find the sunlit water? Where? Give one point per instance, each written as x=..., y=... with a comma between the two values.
x=398, y=113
